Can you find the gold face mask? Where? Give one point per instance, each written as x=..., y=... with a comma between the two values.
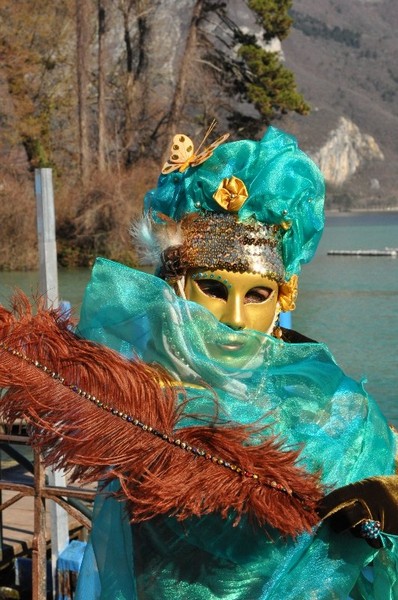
x=239, y=300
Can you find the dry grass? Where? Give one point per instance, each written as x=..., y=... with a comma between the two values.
x=18, y=240
x=90, y=222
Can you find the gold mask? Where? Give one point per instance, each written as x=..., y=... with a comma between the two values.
x=239, y=300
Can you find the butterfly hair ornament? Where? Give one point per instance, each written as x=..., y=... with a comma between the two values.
x=182, y=154
x=243, y=206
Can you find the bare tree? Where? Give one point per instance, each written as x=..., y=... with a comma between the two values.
x=178, y=99
x=101, y=6
x=82, y=58
x=134, y=15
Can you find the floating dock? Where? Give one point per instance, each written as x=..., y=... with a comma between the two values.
x=392, y=252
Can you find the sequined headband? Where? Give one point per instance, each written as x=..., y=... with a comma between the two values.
x=221, y=241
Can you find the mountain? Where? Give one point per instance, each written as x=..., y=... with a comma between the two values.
x=344, y=57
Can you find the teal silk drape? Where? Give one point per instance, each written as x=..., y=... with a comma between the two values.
x=300, y=393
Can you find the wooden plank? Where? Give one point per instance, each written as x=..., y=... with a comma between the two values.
x=18, y=525
x=39, y=545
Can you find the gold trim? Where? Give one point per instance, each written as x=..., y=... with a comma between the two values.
x=288, y=292
x=185, y=384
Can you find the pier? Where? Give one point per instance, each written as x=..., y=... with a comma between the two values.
x=392, y=252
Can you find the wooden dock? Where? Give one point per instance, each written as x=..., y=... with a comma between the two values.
x=18, y=518
x=392, y=252
x=26, y=516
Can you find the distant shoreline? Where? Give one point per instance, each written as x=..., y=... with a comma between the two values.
x=337, y=212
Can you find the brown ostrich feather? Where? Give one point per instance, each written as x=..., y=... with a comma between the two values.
x=100, y=416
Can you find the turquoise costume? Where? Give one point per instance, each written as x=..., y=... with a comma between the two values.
x=301, y=393
x=297, y=391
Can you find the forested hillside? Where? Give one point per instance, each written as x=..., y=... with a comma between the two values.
x=96, y=90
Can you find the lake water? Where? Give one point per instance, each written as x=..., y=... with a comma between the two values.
x=351, y=303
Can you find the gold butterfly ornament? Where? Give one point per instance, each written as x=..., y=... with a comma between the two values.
x=183, y=155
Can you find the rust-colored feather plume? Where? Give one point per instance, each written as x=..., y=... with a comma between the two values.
x=102, y=417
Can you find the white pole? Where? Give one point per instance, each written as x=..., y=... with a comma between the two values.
x=48, y=288
x=48, y=284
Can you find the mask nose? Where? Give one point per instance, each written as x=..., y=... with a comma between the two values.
x=234, y=313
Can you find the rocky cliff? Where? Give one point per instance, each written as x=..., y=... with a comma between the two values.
x=345, y=151
x=343, y=55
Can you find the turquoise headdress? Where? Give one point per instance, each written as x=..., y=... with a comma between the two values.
x=247, y=206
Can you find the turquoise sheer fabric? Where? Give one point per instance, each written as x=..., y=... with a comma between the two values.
x=299, y=392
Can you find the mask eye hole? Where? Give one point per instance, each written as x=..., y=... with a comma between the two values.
x=257, y=295
x=213, y=289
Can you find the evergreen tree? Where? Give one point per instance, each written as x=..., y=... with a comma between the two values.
x=273, y=16
x=251, y=71
x=270, y=86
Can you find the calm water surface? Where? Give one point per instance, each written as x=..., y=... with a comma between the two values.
x=350, y=303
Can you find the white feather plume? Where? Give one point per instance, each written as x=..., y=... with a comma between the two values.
x=144, y=241
x=150, y=239
x=169, y=234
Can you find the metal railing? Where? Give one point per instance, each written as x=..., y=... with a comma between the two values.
x=69, y=498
